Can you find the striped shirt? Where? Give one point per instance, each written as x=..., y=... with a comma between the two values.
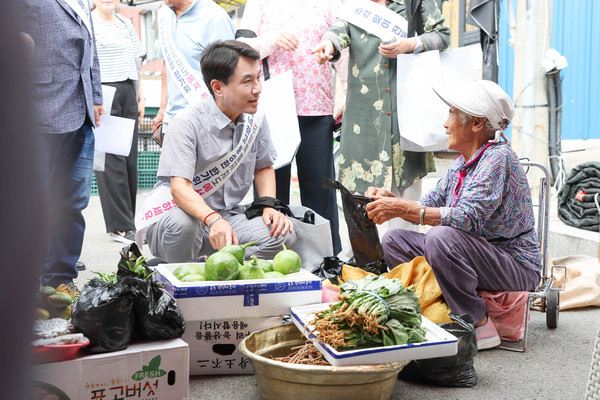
x=494, y=202
x=118, y=47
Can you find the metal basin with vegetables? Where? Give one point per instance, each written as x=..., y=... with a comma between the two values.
x=281, y=380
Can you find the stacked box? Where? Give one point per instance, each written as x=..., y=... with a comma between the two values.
x=155, y=370
x=219, y=315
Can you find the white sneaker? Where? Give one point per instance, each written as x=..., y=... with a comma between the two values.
x=117, y=237
x=487, y=336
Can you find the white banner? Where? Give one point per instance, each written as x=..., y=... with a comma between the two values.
x=375, y=19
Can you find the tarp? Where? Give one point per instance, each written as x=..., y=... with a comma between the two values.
x=484, y=14
x=576, y=204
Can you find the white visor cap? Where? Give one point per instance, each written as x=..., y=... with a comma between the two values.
x=481, y=99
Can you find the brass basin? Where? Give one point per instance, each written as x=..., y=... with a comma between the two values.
x=279, y=380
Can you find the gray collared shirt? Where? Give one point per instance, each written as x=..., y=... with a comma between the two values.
x=200, y=135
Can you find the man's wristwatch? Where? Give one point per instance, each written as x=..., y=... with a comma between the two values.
x=419, y=47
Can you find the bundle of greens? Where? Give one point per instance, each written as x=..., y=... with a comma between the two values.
x=371, y=312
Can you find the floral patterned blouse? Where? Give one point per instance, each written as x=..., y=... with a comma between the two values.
x=370, y=143
x=308, y=20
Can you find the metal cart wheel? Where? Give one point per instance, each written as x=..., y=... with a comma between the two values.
x=552, y=308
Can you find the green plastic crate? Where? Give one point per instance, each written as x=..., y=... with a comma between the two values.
x=146, y=178
x=148, y=160
x=147, y=167
x=94, y=185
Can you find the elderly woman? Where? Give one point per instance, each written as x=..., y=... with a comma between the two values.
x=483, y=234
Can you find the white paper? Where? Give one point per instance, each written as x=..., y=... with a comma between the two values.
x=114, y=135
x=421, y=113
x=279, y=104
x=108, y=94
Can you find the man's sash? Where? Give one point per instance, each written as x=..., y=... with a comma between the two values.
x=187, y=80
x=86, y=17
x=205, y=183
x=375, y=19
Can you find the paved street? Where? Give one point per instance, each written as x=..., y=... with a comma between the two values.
x=555, y=365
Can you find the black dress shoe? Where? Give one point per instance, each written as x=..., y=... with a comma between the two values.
x=80, y=266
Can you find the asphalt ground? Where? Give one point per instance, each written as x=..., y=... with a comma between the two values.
x=555, y=365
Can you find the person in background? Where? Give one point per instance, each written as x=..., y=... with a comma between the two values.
x=483, y=235
x=370, y=152
x=194, y=24
x=210, y=133
x=284, y=34
x=67, y=104
x=119, y=47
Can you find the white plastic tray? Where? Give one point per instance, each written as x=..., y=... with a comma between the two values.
x=440, y=343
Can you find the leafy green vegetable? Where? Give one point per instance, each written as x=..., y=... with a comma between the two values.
x=138, y=267
x=109, y=278
x=374, y=311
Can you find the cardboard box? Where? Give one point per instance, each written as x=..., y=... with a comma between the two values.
x=214, y=344
x=200, y=301
x=157, y=370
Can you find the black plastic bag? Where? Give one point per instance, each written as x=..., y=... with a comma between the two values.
x=129, y=256
x=330, y=268
x=364, y=237
x=157, y=315
x=451, y=371
x=259, y=203
x=104, y=313
x=156, y=312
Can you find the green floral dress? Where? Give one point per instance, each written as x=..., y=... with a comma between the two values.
x=370, y=144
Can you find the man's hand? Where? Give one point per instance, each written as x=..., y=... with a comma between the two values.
x=158, y=119
x=98, y=111
x=280, y=224
x=287, y=41
x=323, y=51
x=400, y=46
x=221, y=234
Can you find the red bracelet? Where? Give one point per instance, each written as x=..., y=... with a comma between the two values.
x=209, y=214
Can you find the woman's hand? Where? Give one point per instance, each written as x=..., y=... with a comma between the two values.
x=339, y=113
x=374, y=192
x=141, y=110
x=385, y=208
x=400, y=46
x=287, y=41
x=323, y=51
x=158, y=119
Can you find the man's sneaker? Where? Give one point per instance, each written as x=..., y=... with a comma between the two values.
x=70, y=289
x=80, y=266
x=123, y=237
x=487, y=336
